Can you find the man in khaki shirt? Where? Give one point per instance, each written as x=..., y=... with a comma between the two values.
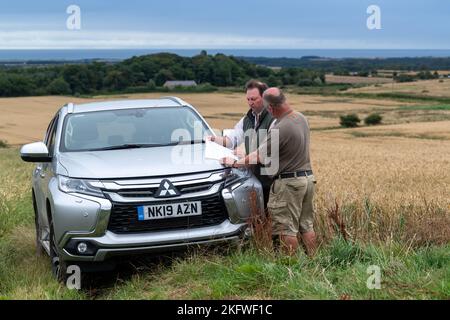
x=286, y=153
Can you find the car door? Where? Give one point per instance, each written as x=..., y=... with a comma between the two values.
x=37, y=176
x=45, y=171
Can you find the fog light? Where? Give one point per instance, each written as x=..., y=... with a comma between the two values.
x=248, y=232
x=82, y=247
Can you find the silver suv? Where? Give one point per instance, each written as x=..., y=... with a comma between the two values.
x=121, y=177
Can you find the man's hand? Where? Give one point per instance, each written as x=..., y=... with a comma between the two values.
x=228, y=162
x=223, y=141
x=239, y=152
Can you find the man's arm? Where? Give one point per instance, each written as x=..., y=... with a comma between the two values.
x=233, y=138
x=260, y=155
x=252, y=158
x=223, y=141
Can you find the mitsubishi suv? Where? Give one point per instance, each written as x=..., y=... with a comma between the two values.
x=123, y=177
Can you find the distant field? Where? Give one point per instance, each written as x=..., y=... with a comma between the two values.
x=426, y=88
x=412, y=73
x=25, y=119
x=355, y=80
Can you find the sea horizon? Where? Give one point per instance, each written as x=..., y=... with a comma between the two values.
x=121, y=54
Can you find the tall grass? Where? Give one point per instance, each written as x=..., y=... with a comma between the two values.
x=15, y=191
x=408, y=240
x=338, y=271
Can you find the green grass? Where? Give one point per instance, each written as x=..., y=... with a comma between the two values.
x=341, y=91
x=406, y=97
x=15, y=191
x=338, y=270
x=436, y=107
x=361, y=134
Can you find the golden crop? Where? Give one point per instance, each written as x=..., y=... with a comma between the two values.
x=383, y=183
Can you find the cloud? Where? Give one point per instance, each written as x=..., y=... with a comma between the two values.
x=80, y=39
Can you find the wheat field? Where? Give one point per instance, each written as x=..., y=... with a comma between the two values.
x=356, y=80
x=25, y=119
x=386, y=186
x=391, y=176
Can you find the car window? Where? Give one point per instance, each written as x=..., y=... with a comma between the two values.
x=148, y=126
x=47, y=133
x=52, y=136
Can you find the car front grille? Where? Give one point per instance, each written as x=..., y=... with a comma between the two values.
x=124, y=216
x=149, y=192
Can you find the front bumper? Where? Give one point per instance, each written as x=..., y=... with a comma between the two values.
x=112, y=244
x=81, y=218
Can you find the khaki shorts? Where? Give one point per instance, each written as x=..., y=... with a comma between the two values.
x=291, y=205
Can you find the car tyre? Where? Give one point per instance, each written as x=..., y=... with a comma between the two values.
x=59, y=266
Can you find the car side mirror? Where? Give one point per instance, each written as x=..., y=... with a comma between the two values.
x=35, y=152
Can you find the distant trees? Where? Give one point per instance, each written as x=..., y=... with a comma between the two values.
x=349, y=121
x=148, y=72
x=13, y=85
x=373, y=119
x=427, y=75
x=273, y=81
x=352, y=120
x=59, y=86
x=404, y=78
x=162, y=76
x=301, y=77
x=344, y=66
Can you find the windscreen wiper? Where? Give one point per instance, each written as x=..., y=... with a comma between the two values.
x=147, y=145
x=188, y=142
x=130, y=146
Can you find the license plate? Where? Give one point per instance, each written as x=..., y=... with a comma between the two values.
x=171, y=210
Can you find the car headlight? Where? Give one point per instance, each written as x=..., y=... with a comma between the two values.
x=71, y=185
x=233, y=175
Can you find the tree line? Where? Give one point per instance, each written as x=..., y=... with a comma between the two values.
x=145, y=73
x=360, y=65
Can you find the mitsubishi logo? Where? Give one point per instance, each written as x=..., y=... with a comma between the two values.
x=166, y=189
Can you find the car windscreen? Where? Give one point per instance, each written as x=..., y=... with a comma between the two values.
x=143, y=127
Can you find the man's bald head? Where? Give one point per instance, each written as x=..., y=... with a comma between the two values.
x=274, y=97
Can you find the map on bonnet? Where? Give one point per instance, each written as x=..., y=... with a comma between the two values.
x=217, y=152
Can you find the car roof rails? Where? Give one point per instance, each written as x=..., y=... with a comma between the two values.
x=175, y=99
x=70, y=106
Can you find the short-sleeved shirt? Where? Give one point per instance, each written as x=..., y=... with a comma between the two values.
x=294, y=140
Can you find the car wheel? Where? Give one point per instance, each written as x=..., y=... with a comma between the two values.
x=39, y=248
x=59, y=266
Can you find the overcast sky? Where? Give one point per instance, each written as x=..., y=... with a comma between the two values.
x=268, y=24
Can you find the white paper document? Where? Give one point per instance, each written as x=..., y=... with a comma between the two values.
x=217, y=152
